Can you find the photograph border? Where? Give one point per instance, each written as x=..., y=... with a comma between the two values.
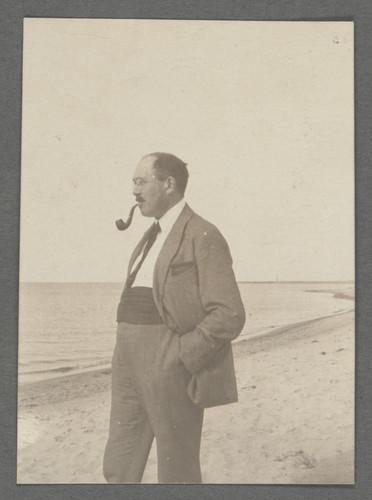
x=11, y=25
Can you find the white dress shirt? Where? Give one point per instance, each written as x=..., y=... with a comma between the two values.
x=145, y=274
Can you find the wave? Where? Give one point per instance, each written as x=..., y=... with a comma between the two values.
x=68, y=368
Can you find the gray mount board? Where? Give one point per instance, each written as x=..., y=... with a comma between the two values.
x=12, y=16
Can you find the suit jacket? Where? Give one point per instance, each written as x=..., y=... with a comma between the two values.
x=195, y=291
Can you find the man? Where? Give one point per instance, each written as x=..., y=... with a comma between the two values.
x=178, y=313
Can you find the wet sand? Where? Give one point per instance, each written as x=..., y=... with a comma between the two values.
x=294, y=422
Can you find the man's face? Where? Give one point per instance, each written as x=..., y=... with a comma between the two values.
x=150, y=193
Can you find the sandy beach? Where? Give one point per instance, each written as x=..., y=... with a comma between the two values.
x=294, y=422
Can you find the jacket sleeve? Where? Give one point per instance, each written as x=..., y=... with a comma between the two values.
x=220, y=296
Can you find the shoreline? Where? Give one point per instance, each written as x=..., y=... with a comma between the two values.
x=40, y=377
x=280, y=330
x=41, y=389
x=49, y=367
x=266, y=333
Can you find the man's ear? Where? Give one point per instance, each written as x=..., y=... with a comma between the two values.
x=170, y=184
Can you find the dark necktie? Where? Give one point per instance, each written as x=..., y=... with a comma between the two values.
x=150, y=241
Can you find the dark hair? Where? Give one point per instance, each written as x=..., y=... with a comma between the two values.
x=166, y=164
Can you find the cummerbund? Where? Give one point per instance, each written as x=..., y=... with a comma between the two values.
x=137, y=306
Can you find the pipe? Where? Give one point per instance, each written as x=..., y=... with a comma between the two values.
x=121, y=225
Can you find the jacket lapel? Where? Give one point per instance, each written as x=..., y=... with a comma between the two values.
x=167, y=253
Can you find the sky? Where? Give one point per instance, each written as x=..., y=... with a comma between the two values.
x=262, y=112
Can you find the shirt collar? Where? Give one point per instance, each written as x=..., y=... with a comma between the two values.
x=169, y=218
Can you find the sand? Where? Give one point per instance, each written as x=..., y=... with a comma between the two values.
x=294, y=422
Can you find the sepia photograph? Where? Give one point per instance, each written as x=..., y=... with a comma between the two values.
x=186, y=270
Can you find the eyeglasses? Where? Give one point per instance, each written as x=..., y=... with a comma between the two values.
x=138, y=181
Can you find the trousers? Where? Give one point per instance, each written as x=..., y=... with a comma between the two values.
x=149, y=400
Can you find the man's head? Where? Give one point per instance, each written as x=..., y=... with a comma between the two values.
x=159, y=182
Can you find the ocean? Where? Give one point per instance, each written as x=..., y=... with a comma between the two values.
x=67, y=328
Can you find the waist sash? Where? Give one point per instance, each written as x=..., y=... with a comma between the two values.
x=137, y=306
